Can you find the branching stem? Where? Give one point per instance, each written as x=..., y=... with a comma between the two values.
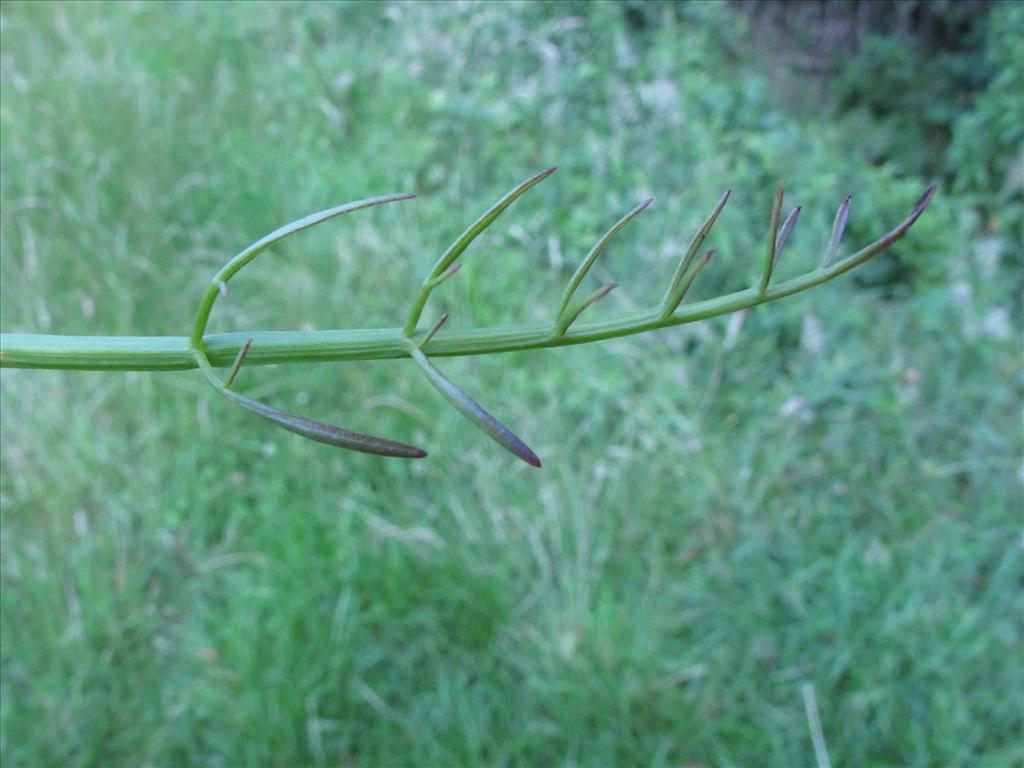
x=162, y=353
x=170, y=353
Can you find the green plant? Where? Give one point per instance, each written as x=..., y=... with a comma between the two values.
x=985, y=155
x=205, y=352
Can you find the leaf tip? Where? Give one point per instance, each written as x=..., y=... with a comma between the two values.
x=923, y=201
x=539, y=177
x=237, y=366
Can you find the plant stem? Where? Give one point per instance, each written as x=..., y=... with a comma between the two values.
x=166, y=353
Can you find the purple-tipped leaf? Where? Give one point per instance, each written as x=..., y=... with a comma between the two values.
x=327, y=433
x=884, y=242
x=473, y=411
x=838, y=228
x=311, y=429
x=769, y=262
x=691, y=253
x=784, y=233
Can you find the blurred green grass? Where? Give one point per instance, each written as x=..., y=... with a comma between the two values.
x=827, y=490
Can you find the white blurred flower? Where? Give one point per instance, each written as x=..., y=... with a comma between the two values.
x=791, y=406
x=996, y=324
x=732, y=329
x=662, y=97
x=988, y=255
x=796, y=406
x=81, y=523
x=812, y=334
x=962, y=293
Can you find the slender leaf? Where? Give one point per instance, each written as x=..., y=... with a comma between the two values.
x=473, y=411
x=569, y=317
x=444, y=276
x=279, y=234
x=683, y=289
x=219, y=287
x=327, y=433
x=311, y=429
x=884, y=242
x=587, y=263
x=435, y=329
x=691, y=253
x=470, y=234
x=838, y=228
x=436, y=276
x=769, y=262
x=784, y=233
x=236, y=367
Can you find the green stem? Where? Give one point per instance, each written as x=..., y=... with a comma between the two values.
x=164, y=353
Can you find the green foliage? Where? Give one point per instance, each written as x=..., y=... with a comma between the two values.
x=906, y=93
x=824, y=490
x=986, y=155
x=947, y=101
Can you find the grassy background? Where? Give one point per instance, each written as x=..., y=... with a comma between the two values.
x=825, y=491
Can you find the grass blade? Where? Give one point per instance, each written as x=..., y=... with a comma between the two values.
x=691, y=253
x=473, y=411
x=591, y=257
x=838, y=228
